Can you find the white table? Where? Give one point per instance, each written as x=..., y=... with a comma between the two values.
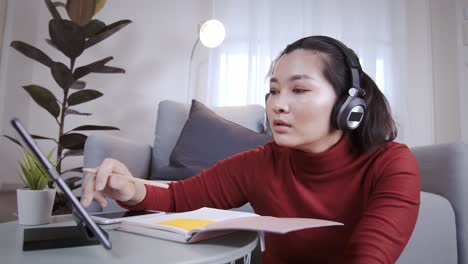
x=127, y=248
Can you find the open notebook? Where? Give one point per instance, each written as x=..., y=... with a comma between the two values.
x=205, y=223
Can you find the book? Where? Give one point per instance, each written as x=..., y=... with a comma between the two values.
x=205, y=223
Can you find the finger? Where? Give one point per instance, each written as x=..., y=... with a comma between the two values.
x=120, y=187
x=117, y=182
x=100, y=199
x=88, y=189
x=120, y=168
x=103, y=172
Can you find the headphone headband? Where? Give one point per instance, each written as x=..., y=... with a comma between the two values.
x=350, y=56
x=350, y=110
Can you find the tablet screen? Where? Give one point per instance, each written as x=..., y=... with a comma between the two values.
x=114, y=215
x=78, y=211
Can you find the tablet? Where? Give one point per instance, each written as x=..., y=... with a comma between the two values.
x=82, y=217
x=107, y=218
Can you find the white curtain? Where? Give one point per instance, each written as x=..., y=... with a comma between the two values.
x=257, y=30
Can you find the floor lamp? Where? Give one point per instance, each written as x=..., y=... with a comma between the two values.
x=211, y=34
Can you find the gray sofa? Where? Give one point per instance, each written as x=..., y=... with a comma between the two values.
x=441, y=233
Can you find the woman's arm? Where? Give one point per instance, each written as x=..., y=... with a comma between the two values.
x=225, y=185
x=388, y=221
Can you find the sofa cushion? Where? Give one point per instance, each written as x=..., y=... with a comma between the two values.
x=172, y=117
x=208, y=138
x=170, y=173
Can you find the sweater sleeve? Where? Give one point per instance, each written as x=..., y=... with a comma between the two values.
x=388, y=220
x=225, y=185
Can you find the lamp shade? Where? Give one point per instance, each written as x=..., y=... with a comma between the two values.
x=212, y=33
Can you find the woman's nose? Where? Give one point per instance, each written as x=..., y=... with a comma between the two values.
x=280, y=105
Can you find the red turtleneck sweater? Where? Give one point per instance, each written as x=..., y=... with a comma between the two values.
x=375, y=195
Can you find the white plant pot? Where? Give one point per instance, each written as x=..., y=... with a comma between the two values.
x=35, y=206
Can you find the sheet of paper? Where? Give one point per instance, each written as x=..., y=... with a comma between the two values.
x=270, y=224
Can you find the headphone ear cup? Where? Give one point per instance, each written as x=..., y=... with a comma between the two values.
x=353, y=114
x=350, y=113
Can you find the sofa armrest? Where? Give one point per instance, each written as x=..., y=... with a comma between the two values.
x=434, y=239
x=136, y=156
x=444, y=169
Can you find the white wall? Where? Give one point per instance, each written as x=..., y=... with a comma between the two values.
x=15, y=71
x=154, y=50
x=419, y=125
x=445, y=70
x=462, y=21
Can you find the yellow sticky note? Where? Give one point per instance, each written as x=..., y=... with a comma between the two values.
x=186, y=223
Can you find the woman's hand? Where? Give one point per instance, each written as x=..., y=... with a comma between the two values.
x=102, y=184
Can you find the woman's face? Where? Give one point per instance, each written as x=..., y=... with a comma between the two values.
x=300, y=103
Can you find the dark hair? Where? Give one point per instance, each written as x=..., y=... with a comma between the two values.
x=378, y=125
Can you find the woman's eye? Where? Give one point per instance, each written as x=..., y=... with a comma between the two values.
x=299, y=90
x=274, y=92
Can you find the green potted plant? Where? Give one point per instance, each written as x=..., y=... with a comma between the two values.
x=35, y=202
x=70, y=37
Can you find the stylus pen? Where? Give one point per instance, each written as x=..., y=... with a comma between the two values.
x=132, y=179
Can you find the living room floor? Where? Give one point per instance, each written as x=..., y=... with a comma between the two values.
x=8, y=210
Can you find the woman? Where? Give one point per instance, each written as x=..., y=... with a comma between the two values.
x=333, y=157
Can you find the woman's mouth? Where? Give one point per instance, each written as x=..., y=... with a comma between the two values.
x=281, y=126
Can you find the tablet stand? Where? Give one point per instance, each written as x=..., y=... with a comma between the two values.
x=59, y=237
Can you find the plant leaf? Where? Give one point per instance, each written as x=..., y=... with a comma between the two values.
x=81, y=11
x=69, y=38
x=53, y=10
x=78, y=85
x=49, y=41
x=84, y=70
x=106, y=32
x=109, y=69
x=69, y=111
x=71, y=182
x=31, y=172
x=93, y=127
x=44, y=98
x=73, y=141
x=32, y=52
x=41, y=184
x=35, y=165
x=62, y=75
x=26, y=175
x=93, y=27
x=77, y=169
x=14, y=140
x=70, y=153
x=49, y=157
x=83, y=96
x=34, y=175
x=41, y=137
x=74, y=178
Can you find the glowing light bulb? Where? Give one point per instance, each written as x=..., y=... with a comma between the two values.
x=212, y=33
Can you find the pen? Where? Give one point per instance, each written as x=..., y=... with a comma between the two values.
x=132, y=179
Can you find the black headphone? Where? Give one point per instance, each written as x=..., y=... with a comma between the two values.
x=349, y=110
